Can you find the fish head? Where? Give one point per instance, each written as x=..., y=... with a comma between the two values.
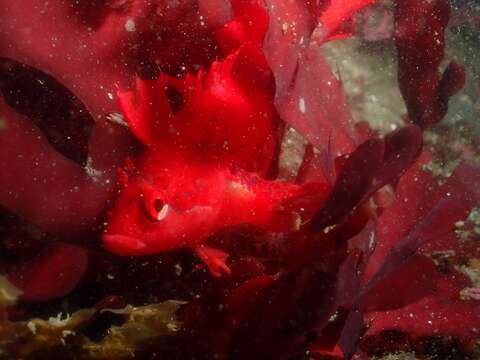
x=177, y=207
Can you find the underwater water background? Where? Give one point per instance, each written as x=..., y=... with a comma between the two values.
x=196, y=92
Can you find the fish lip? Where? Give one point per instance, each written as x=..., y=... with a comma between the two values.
x=123, y=244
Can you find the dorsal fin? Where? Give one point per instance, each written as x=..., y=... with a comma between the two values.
x=220, y=118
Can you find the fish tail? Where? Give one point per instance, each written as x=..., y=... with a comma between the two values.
x=304, y=204
x=291, y=209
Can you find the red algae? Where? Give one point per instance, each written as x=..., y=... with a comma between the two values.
x=145, y=200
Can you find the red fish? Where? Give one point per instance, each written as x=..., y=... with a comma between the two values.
x=204, y=165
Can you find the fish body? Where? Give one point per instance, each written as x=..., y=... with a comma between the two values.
x=180, y=203
x=210, y=140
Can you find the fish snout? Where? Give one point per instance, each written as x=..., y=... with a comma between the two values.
x=124, y=245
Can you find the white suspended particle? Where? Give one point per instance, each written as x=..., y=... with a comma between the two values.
x=372, y=242
x=130, y=25
x=117, y=118
x=301, y=105
x=93, y=173
x=328, y=229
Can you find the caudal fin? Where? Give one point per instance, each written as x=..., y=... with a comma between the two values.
x=291, y=212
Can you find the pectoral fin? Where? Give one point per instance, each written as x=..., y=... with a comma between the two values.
x=215, y=259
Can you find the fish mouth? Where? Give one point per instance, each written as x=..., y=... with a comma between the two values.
x=124, y=245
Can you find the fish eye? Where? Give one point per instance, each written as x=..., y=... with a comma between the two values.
x=158, y=204
x=156, y=208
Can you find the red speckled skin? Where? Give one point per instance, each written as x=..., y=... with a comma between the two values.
x=201, y=199
x=205, y=163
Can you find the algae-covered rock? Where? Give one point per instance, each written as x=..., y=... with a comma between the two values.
x=64, y=337
x=142, y=325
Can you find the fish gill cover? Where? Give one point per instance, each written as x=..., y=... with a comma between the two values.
x=145, y=206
